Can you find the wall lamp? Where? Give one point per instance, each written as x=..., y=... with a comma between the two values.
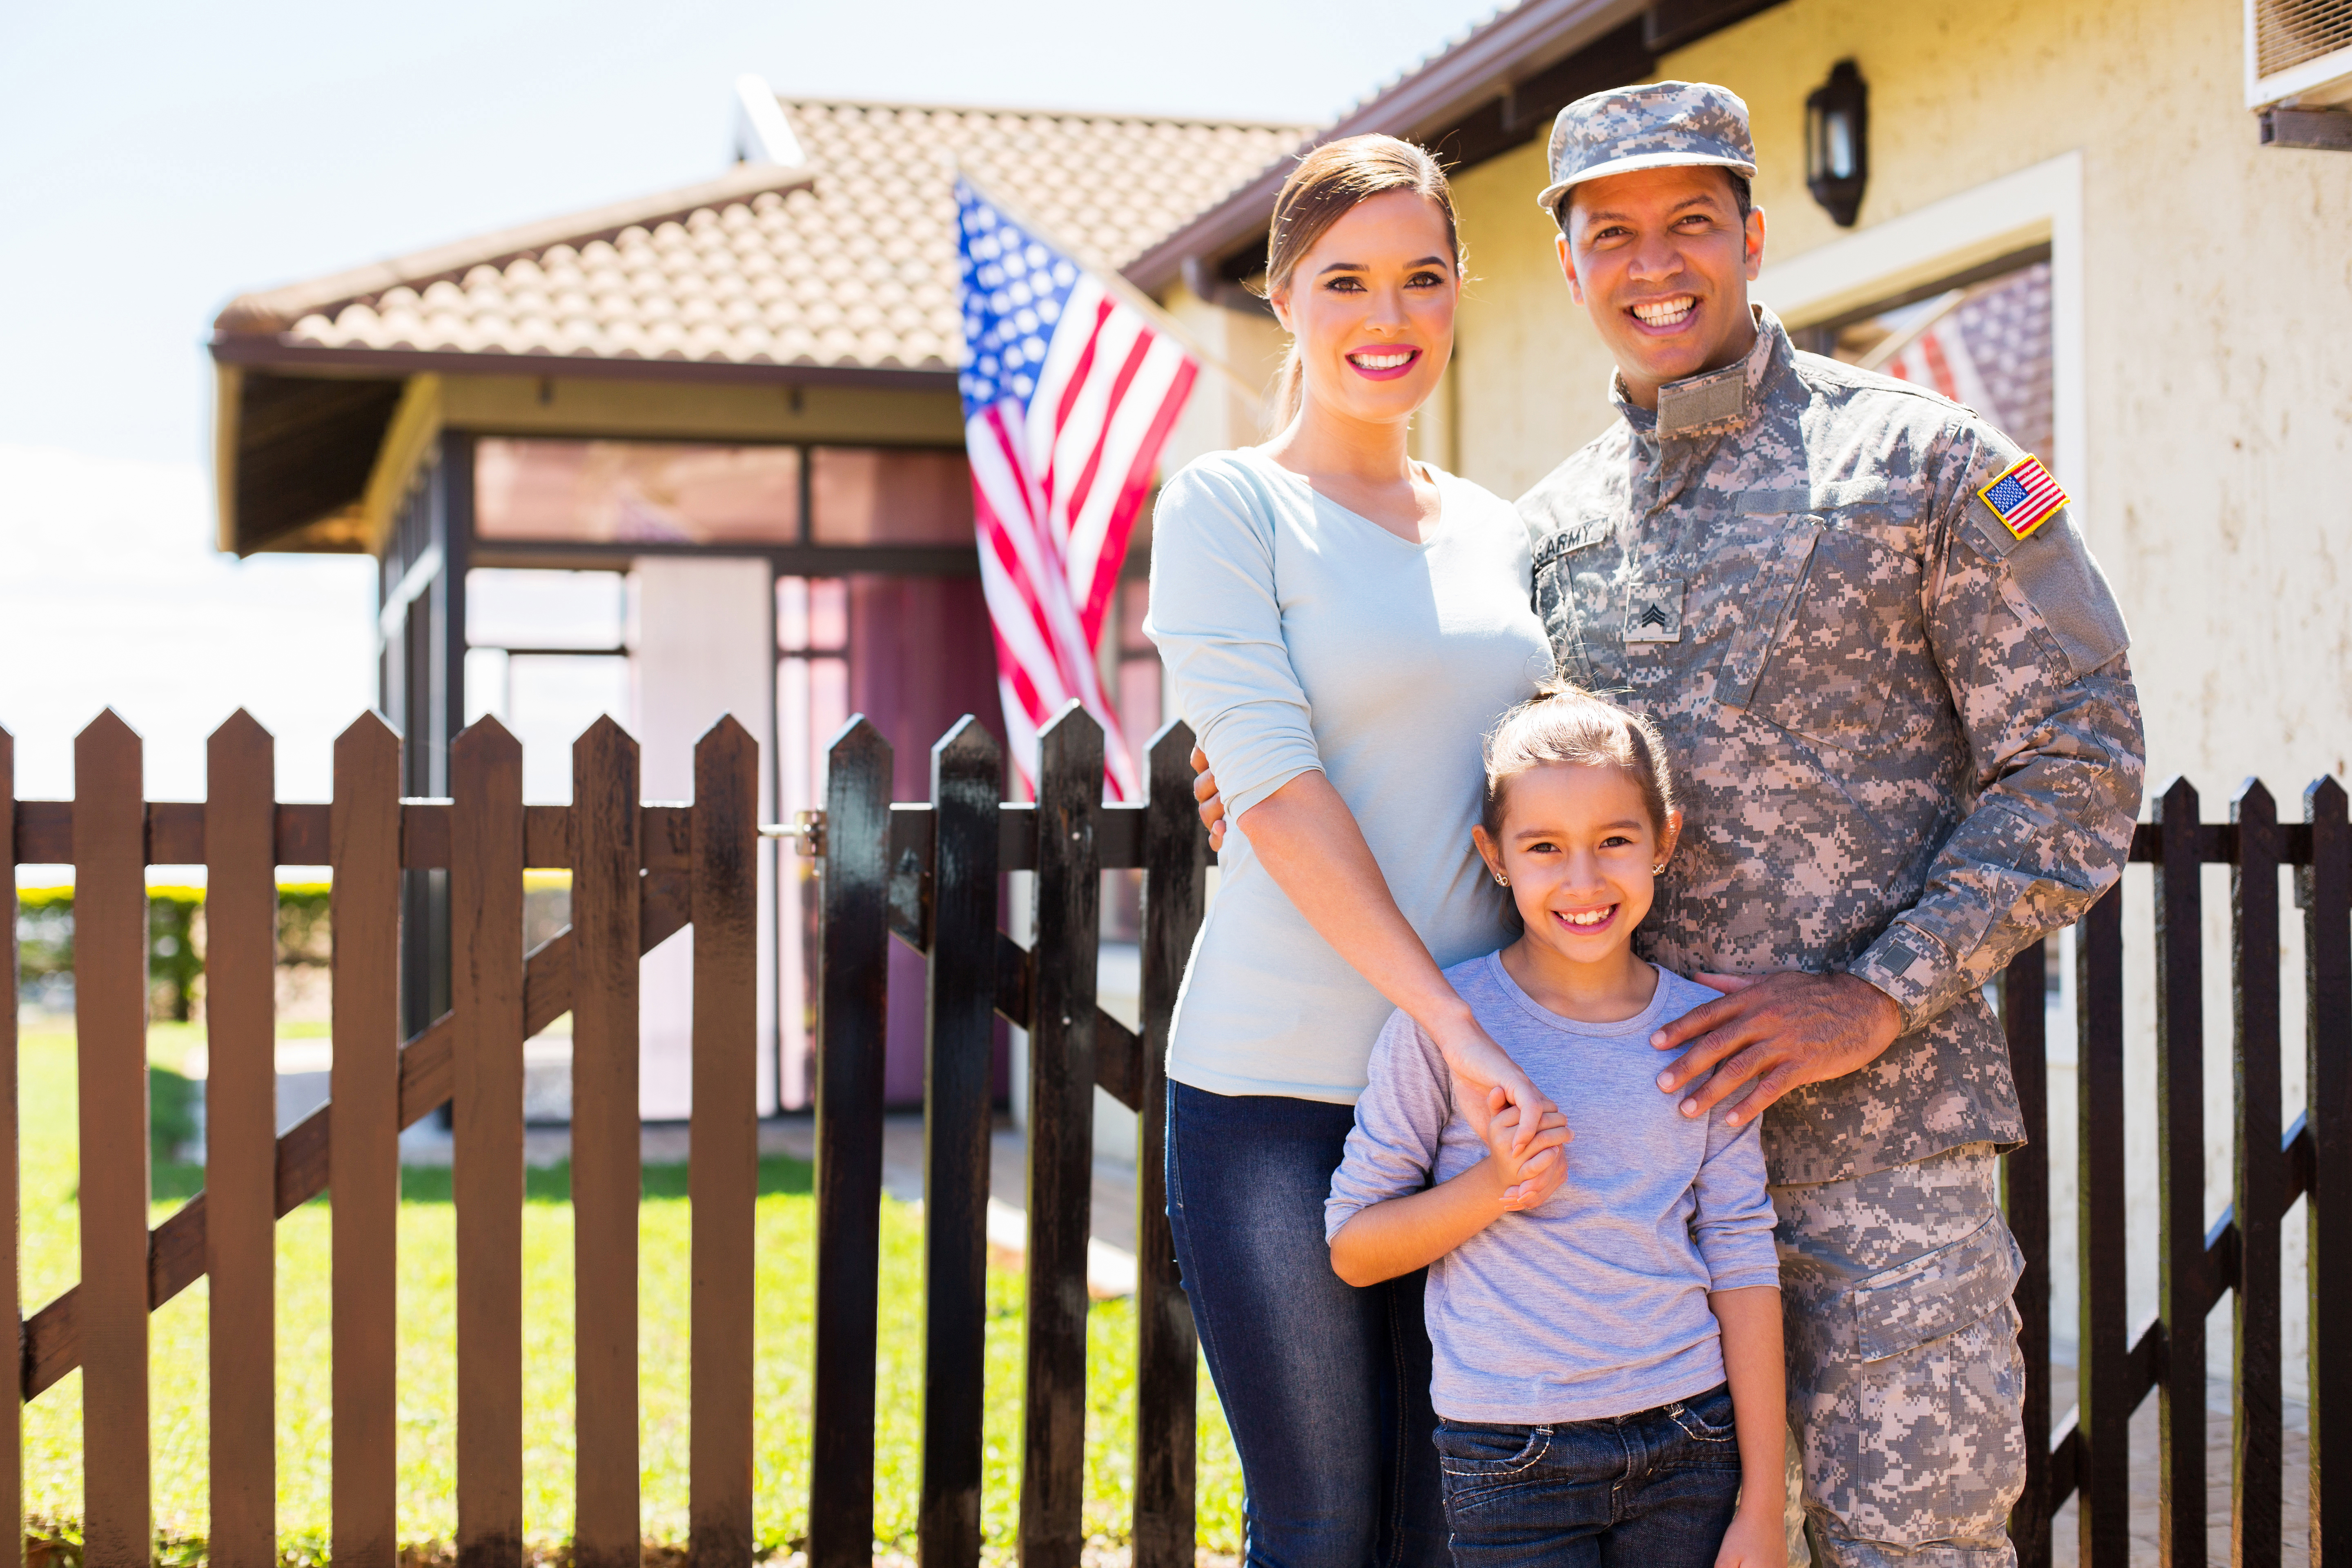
x=1837, y=143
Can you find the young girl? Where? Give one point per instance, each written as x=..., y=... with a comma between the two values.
x=1603, y=1303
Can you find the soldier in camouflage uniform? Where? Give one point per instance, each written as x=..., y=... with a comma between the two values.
x=1909, y=746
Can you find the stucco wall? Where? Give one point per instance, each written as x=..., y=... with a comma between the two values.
x=2217, y=479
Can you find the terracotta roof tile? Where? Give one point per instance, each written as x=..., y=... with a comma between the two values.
x=850, y=262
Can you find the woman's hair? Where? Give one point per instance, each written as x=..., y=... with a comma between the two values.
x=1327, y=183
x=1566, y=723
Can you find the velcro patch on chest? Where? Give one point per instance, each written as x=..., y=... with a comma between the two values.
x=1687, y=407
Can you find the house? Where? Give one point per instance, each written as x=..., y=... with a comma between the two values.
x=696, y=454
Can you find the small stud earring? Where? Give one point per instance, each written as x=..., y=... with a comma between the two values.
x=1502, y=881
x=1659, y=869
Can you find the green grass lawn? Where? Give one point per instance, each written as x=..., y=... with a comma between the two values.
x=786, y=1244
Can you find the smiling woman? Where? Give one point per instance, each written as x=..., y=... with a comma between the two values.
x=1342, y=624
x=1401, y=184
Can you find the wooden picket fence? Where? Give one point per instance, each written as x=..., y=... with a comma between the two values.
x=927, y=874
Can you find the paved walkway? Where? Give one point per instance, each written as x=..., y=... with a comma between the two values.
x=2065, y=1541
x=1110, y=1254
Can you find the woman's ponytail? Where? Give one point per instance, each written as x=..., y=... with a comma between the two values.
x=1289, y=387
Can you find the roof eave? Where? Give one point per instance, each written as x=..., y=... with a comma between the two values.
x=272, y=351
x=1509, y=47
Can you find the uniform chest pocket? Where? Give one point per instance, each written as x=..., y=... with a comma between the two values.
x=1850, y=650
x=1572, y=572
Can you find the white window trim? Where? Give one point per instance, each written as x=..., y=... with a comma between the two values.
x=2040, y=205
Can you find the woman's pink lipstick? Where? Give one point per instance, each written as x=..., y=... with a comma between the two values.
x=1382, y=371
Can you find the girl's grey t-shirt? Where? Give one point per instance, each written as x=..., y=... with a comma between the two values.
x=1594, y=1303
x=1301, y=636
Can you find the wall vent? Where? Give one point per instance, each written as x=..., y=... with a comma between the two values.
x=2299, y=49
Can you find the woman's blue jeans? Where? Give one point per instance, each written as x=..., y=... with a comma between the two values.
x=1326, y=1387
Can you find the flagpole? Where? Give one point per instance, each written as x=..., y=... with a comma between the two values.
x=1110, y=277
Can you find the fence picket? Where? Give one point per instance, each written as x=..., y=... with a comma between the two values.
x=2182, y=1296
x=486, y=996
x=109, y=846
x=2259, y=1184
x=12, y=1423
x=852, y=987
x=241, y=1131
x=605, y=1177
x=723, y=1173
x=2104, y=1392
x=959, y=1031
x=2025, y=1196
x=2327, y=1098
x=364, y=1156
x=1061, y=1138
x=1167, y=1355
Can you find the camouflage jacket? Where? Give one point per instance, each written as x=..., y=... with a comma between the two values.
x=1907, y=741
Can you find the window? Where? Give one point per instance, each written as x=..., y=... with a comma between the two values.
x=1136, y=688
x=544, y=657
x=636, y=492
x=1983, y=341
x=865, y=495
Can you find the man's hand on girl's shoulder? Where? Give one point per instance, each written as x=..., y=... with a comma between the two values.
x=1531, y=1175
x=1772, y=1032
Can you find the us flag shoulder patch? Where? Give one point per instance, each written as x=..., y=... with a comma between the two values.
x=2023, y=496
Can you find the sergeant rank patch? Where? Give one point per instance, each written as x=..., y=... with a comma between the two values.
x=2024, y=497
x=1653, y=611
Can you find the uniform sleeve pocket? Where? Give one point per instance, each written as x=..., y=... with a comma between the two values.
x=2056, y=573
x=1936, y=1293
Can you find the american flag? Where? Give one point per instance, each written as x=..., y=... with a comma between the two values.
x=1069, y=394
x=2024, y=497
x=1939, y=358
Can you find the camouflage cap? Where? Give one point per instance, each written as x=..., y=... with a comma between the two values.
x=1655, y=126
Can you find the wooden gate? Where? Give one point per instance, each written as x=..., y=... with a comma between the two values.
x=2198, y=1261
x=927, y=874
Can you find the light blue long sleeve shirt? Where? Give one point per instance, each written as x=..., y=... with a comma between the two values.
x=1593, y=1303
x=1300, y=637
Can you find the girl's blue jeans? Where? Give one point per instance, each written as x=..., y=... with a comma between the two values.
x=1326, y=1387
x=1653, y=1489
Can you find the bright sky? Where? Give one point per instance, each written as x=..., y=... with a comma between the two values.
x=158, y=160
